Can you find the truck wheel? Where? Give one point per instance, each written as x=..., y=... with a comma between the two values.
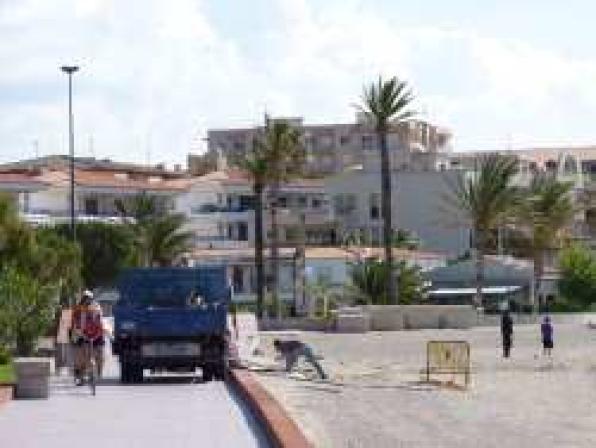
x=207, y=373
x=136, y=373
x=125, y=376
x=219, y=371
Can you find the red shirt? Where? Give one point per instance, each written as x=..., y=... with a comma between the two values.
x=86, y=320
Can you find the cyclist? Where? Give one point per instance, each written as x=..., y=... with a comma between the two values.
x=87, y=328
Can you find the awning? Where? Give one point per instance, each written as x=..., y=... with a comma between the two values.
x=494, y=290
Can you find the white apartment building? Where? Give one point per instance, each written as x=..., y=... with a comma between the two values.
x=220, y=207
x=576, y=165
x=331, y=148
x=418, y=207
x=41, y=188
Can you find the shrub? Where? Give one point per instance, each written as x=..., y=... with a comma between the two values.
x=5, y=355
x=27, y=308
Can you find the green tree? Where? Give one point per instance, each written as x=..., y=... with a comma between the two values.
x=255, y=163
x=55, y=259
x=577, y=284
x=106, y=249
x=157, y=236
x=369, y=280
x=543, y=217
x=404, y=239
x=323, y=298
x=385, y=104
x=281, y=147
x=483, y=200
x=27, y=308
x=39, y=253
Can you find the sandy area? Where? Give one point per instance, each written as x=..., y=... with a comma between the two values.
x=375, y=398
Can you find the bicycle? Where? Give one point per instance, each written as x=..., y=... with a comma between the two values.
x=90, y=366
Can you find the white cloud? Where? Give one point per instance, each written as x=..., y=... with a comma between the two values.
x=156, y=74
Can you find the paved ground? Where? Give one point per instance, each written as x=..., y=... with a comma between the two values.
x=375, y=399
x=173, y=413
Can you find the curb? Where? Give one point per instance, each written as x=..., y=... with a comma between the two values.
x=281, y=429
x=6, y=393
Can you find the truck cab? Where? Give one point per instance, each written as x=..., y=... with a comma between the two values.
x=172, y=319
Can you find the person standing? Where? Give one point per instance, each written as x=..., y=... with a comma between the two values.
x=546, y=330
x=506, y=333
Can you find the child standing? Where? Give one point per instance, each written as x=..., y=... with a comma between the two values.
x=546, y=329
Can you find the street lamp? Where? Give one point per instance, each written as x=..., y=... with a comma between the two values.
x=69, y=70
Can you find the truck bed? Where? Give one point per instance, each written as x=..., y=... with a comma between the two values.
x=171, y=322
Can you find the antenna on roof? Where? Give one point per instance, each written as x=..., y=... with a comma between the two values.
x=36, y=148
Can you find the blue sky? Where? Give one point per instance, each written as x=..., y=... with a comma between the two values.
x=155, y=75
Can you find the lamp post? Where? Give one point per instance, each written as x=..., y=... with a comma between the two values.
x=69, y=70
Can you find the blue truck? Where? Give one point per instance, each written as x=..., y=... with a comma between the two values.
x=172, y=319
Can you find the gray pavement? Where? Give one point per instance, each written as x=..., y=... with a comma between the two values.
x=169, y=412
x=375, y=399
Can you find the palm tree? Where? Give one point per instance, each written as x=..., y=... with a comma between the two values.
x=368, y=282
x=385, y=104
x=280, y=145
x=157, y=236
x=255, y=164
x=484, y=201
x=544, y=217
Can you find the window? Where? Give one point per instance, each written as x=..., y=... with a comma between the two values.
x=91, y=206
x=230, y=231
x=238, y=146
x=238, y=279
x=344, y=140
x=375, y=210
x=282, y=202
x=551, y=165
x=316, y=203
x=302, y=201
x=367, y=142
x=242, y=231
x=344, y=204
x=247, y=203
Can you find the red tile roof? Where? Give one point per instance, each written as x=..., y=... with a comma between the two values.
x=96, y=178
x=20, y=177
x=113, y=179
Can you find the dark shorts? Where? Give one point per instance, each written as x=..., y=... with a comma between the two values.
x=547, y=343
x=96, y=343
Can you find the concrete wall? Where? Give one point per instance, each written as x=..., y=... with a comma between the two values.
x=300, y=324
x=405, y=317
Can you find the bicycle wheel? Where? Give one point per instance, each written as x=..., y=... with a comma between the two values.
x=93, y=377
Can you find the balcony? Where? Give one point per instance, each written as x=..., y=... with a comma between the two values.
x=219, y=242
x=49, y=219
x=207, y=209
